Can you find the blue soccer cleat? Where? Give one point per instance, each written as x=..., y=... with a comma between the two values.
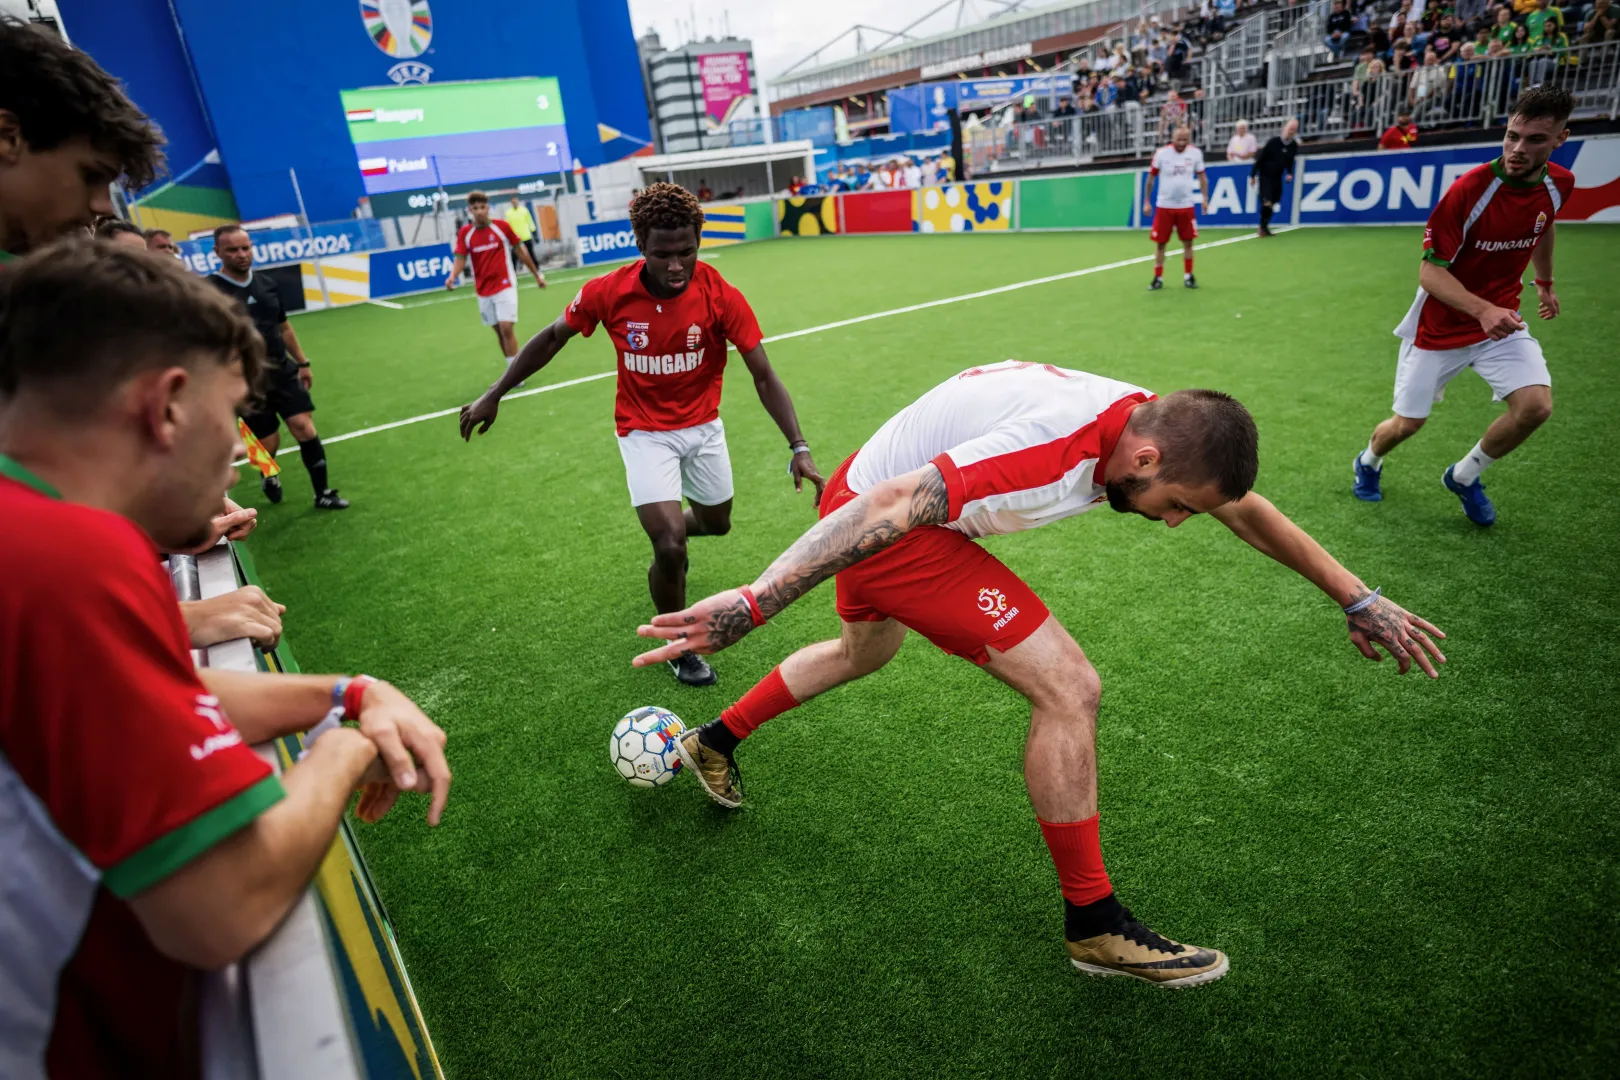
x=1476, y=504
x=1367, y=480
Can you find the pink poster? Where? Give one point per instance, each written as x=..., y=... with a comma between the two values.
x=725, y=85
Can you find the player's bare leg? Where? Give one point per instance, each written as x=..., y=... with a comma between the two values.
x=1528, y=408
x=1060, y=770
x=1369, y=464
x=1158, y=266
x=708, y=520
x=506, y=337
x=861, y=648
x=302, y=428
x=665, y=525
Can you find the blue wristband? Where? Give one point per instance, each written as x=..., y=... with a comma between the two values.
x=1364, y=603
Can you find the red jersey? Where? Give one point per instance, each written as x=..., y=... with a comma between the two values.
x=672, y=353
x=117, y=768
x=1484, y=230
x=490, y=249
x=1399, y=138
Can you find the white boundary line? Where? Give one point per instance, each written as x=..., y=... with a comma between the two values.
x=925, y=305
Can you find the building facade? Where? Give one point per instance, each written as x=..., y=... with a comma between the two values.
x=702, y=95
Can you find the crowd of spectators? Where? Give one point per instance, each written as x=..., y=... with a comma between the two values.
x=900, y=173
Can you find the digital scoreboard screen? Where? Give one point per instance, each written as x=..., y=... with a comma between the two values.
x=412, y=141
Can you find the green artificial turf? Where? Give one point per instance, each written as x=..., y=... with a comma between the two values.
x=1410, y=877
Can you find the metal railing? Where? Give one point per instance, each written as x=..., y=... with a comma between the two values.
x=1476, y=93
x=1296, y=50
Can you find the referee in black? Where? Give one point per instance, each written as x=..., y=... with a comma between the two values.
x=287, y=377
x=1274, y=165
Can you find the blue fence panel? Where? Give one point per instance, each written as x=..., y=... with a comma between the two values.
x=271, y=246
x=607, y=241
x=408, y=270
x=1234, y=201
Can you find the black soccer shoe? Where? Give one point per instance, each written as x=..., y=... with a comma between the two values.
x=1189, y=281
x=271, y=486
x=1157, y=283
x=693, y=670
x=330, y=500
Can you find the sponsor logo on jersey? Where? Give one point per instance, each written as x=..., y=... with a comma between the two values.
x=1505, y=245
x=1541, y=222
x=694, y=336
x=665, y=364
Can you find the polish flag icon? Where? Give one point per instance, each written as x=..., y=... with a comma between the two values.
x=357, y=115
x=377, y=166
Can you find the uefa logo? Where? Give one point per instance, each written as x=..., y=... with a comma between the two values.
x=400, y=28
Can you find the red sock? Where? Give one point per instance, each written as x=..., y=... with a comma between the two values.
x=1077, y=854
x=1186, y=261
x=769, y=697
x=1158, y=271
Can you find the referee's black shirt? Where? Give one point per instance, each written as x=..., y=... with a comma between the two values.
x=263, y=305
x=1275, y=158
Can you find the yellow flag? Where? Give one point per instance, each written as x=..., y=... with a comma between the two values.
x=606, y=133
x=258, y=456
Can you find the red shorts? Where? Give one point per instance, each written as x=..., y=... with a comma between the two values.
x=1183, y=221
x=939, y=583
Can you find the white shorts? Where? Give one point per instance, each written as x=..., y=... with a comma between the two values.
x=1511, y=364
x=502, y=307
x=661, y=466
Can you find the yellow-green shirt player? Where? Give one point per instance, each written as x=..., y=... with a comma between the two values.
x=517, y=215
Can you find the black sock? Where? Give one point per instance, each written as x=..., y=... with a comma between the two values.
x=314, y=456
x=719, y=738
x=1265, y=215
x=1089, y=920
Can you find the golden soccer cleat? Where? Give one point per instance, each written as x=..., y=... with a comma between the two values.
x=1134, y=950
x=715, y=771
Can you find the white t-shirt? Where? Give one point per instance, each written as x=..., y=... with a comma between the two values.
x=1177, y=172
x=913, y=176
x=1020, y=445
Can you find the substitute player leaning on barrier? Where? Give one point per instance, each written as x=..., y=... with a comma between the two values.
x=143, y=839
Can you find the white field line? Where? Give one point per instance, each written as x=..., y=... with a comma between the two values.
x=998, y=290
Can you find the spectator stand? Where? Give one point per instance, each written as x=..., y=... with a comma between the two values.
x=327, y=996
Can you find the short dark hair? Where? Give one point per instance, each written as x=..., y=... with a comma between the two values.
x=664, y=206
x=81, y=316
x=1204, y=437
x=477, y=196
x=111, y=227
x=58, y=93
x=221, y=230
x=154, y=233
x=1544, y=102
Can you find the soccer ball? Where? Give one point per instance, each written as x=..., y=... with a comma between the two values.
x=642, y=748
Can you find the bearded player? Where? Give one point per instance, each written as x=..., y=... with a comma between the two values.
x=669, y=317
x=1485, y=229
x=1182, y=187
x=996, y=450
x=490, y=244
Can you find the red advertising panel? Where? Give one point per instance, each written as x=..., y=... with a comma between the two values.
x=877, y=212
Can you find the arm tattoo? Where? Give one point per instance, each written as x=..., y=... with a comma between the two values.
x=843, y=539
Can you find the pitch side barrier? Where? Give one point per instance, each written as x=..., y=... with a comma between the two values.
x=326, y=997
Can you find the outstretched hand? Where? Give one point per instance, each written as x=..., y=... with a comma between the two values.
x=1403, y=635
x=706, y=627
x=480, y=414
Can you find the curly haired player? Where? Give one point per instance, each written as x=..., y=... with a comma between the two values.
x=670, y=317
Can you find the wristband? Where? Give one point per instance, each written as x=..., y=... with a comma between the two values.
x=1364, y=603
x=1547, y=284
x=754, y=612
x=303, y=364
x=353, y=691
x=800, y=447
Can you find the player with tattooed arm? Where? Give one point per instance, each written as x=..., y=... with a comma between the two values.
x=995, y=450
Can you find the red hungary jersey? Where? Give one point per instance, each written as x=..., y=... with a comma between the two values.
x=1484, y=230
x=117, y=768
x=490, y=249
x=672, y=353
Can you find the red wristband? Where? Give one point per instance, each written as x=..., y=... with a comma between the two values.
x=1547, y=284
x=753, y=606
x=353, y=693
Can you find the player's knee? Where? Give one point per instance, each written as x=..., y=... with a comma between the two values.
x=669, y=553
x=1407, y=426
x=717, y=526
x=1533, y=410
x=1073, y=688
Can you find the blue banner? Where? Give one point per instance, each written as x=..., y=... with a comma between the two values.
x=271, y=246
x=906, y=110
x=408, y=270
x=1391, y=187
x=979, y=93
x=607, y=241
x=818, y=125
x=1234, y=201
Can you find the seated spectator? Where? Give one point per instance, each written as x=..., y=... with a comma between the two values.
x=1603, y=24
x=1399, y=18
x=117, y=231
x=1497, y=50
x=1339, y=25
x=1378, y=41
x=1065, y=107
x=1402, y=60
x=1520, y=44
x=78, y=133
x=1241, y=146
x=151, y=840
x=1402, y=135
x=1503, y=30
x=1544, y=21
x=1429, y=84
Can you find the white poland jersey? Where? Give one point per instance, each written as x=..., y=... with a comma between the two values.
x=1020, y=445
x=1177, y=172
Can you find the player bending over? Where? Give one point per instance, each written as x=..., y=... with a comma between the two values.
x=1175, y=167
x=1485, y=228
x=491, y=244
x=998, y=450
x=669, y=317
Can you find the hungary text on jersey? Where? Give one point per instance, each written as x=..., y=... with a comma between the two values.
x=1020, y=445
x=1484, y=230
x=671, y=353
x=490, y=249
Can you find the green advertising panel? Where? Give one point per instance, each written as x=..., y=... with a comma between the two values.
x=1092, y=201
x=759, y=220
x=409, y=112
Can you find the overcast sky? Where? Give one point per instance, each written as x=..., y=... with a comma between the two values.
x=783, y=31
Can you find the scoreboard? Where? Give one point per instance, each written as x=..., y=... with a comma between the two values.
x=412, y=141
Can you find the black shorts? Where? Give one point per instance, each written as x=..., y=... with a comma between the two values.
x=283, y=396
x=1271, y=189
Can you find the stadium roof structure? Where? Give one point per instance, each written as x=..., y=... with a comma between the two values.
x=1003, y=39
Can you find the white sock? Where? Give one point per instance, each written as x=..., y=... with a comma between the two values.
x=1372, y=460
x=509, y=360
x=1476, y=461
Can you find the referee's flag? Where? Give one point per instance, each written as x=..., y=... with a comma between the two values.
x=258, y=456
